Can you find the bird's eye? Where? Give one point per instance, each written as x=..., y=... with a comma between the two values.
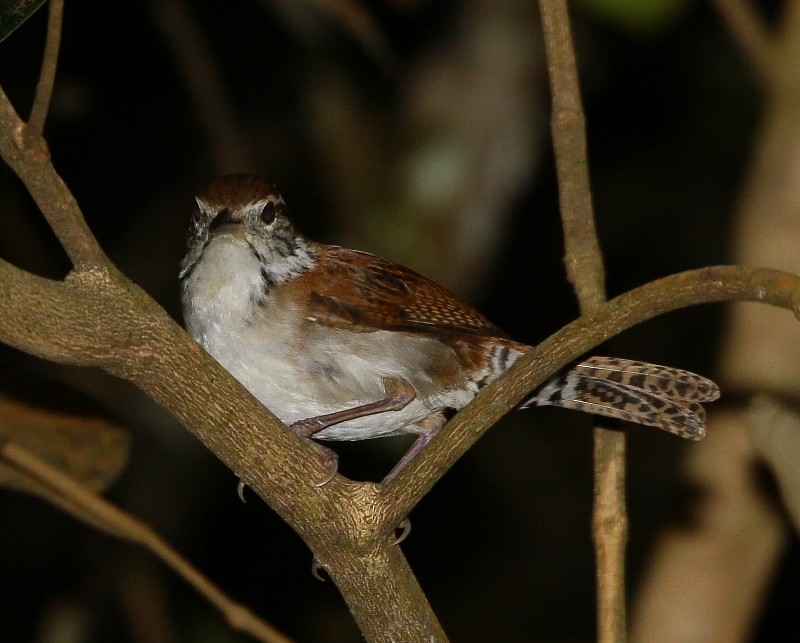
x=268, y=212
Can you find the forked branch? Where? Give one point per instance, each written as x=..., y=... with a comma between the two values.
x=32, y=164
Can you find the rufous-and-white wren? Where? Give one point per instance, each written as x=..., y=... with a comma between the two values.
x=344, y=345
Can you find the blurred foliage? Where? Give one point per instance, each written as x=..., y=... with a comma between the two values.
x=640, y=17
x=87, y=449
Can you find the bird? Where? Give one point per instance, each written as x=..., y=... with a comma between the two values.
x=341, y=344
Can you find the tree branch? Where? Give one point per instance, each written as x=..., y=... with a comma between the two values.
x=132, y=337
x=44, y=89
x=97, y=317
x=585, y=270
x=583, y=259
x=704, y=285
x=31, y=163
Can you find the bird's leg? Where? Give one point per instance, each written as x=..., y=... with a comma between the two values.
x=425, y=430
x=399, y=393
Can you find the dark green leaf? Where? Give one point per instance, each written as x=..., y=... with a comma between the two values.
x=14, y=12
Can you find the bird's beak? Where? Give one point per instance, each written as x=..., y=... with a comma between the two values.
x=226, y=229
x=223, y=224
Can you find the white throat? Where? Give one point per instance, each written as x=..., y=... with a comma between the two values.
x=222, y=287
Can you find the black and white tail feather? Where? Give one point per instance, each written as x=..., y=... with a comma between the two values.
x=667, y=398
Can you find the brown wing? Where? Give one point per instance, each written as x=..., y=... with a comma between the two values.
x=364, y=292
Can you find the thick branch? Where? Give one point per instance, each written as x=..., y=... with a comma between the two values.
x=97, y=318
x=132, y=337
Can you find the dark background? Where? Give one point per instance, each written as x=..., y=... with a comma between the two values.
x=502, y=545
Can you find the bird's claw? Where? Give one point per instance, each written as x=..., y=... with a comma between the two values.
x=316, y=567
x=331, y=461
x=405, y=529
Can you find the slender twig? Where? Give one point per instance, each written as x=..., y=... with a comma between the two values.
x=44, y=89
x=610, y=532
x=585, y=270
x=86, y=506
x=25, y=151
x=31, y=163
x=583, y=259
x=750, y=30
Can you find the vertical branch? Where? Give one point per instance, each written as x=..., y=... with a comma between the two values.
x=610, y=533
x=24, y=150
x=44, y=89
x=582, y=256
x=584, y=264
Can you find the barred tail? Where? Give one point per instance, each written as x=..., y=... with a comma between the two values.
x=659, y=396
